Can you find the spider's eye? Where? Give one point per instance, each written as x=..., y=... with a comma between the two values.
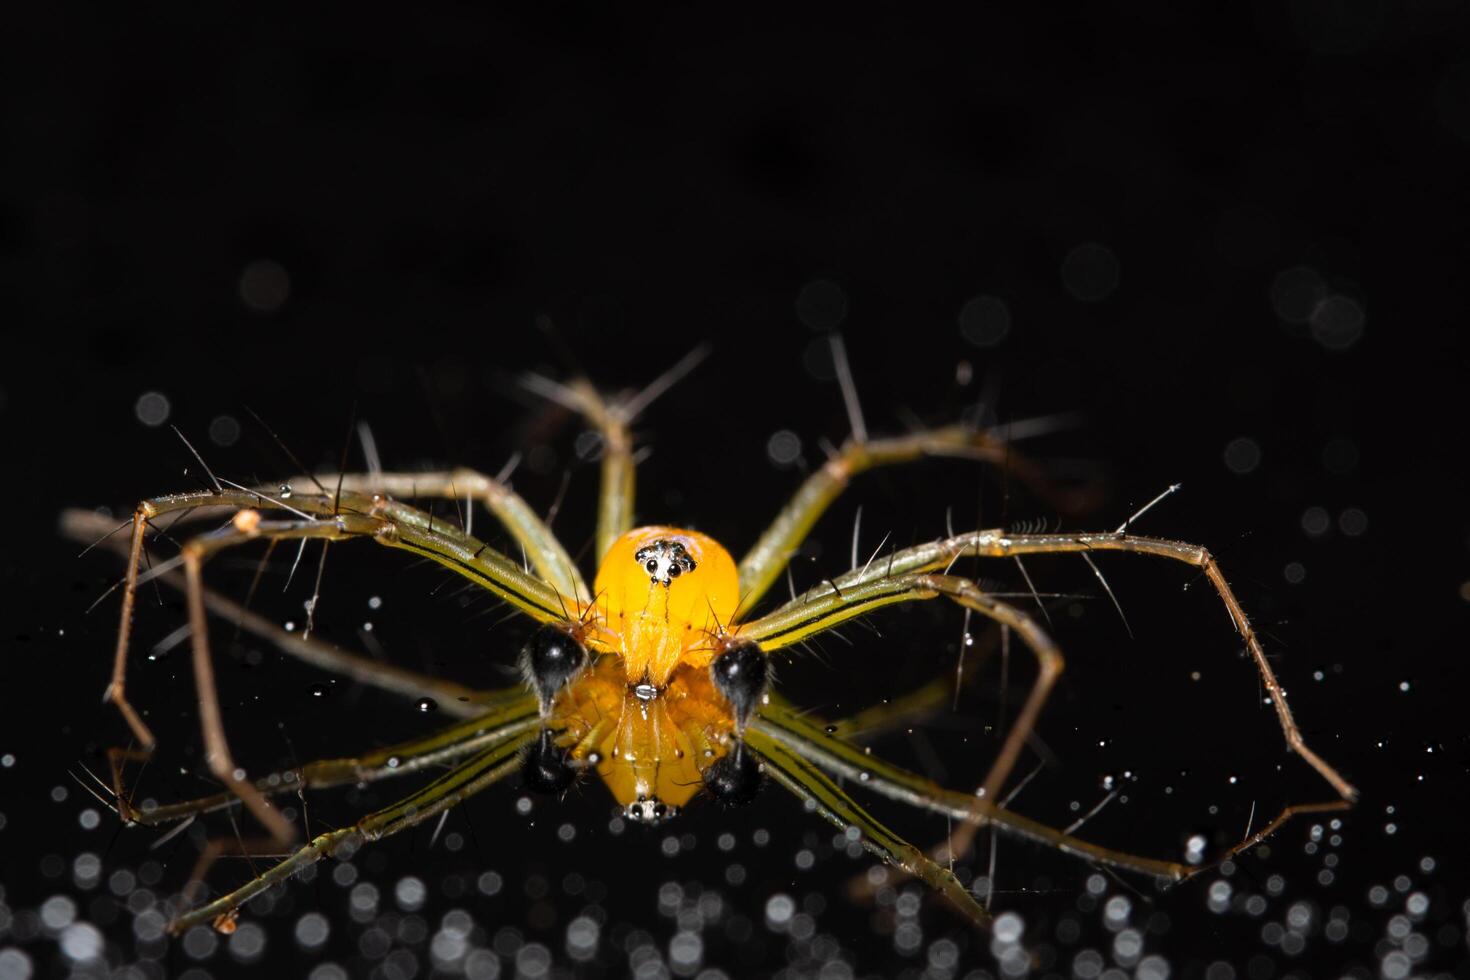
x=547, y=767
x=551, y=658
x=741, y=673
x=736, y=779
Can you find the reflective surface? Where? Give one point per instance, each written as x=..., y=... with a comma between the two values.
x=1175, y=252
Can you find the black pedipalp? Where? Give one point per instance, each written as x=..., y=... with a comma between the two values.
x=551, y=658
x=735, y=779
x=741, y=672
x=548, y=767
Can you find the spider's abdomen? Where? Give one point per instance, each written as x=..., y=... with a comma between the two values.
x=663, y=594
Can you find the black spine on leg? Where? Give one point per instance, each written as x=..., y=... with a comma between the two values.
x=550, y=659
x=736, y=779
x=547, y=768
x=741, y=672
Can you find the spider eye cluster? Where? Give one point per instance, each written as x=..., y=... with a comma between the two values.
x=665, y=561
x=650, y=811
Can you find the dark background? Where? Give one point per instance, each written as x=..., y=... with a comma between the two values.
x=1201, y=229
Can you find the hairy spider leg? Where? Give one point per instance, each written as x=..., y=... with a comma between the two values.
x=812, y=738
x=545, y=552
x=810, y=784
x=841, y=758
x=490, y=567
x=454, y=699
x=832, y=604
x=341, y=516
x=873, y=586
x=217, y=754
x=514, y=715
x=463, y=781
x=773, y=550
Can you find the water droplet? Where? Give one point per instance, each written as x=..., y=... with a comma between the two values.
x=320, y=690
x=427, y=704
x=285, y=491
x=831, y=729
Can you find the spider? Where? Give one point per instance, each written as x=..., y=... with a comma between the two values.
x=657, y=677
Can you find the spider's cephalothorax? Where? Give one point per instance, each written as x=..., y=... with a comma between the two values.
x=670, y=692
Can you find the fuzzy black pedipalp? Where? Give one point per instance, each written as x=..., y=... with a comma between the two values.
x=547, y=767
x=551, y=658
x=741, y=672
x=736, y=779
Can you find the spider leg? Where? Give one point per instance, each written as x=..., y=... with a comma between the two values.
x=547, y=556
x=1000, y=544
x=878, y=584
x=217, y=754
x=834, y=603
x=616, y=493
x=117, y=688
x=514, y=714
x=390, y=523
x=466, y=779
x=808, y=739
x=809, y=783
x=146, y=510
x=453, y=699
x=763, y=564
x=612, y=419
x=807, y=736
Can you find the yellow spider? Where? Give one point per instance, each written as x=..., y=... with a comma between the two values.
x=656, y=676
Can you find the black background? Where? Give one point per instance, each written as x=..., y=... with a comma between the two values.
x=436, y=185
